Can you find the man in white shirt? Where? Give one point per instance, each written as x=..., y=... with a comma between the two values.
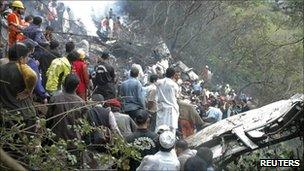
x=167, y=92
x=164, y=159
x=151, y=103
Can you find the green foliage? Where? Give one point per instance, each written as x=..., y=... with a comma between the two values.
x=284, y=150
x=29, y=149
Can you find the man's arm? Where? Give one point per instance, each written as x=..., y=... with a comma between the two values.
x=113, y=124
x=132, y=124
x=140, y=97
x=29, y=76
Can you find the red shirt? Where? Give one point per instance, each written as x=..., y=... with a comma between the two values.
x=80, y=69
x=13, y=19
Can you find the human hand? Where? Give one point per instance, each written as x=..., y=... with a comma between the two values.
x=23, y=95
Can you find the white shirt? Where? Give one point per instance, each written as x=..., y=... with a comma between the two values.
x=160, y=161
x=168, y=109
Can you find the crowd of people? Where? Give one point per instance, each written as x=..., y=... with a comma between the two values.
x=155, y=117
x=110, y=26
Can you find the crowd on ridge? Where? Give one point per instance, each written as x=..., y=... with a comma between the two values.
x=154, y=117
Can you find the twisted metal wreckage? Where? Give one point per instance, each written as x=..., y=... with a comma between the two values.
x=271, y=124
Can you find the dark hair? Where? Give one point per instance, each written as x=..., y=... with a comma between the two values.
x=97, y=97
x=37, y=20
x=29, y=46
x=105, y=55
x=214, y=102
x=206, y=154
x=182, y=144
x=170, y=72
x=54, y=44
x=70, y=83
x=195, y=164
x=69, y=47
x=73, y=56
x=115, y=109
x=153, y=78
x=17, y=51
x=50, y=28
x=28, y=18
x=134, y=72
x=142, y=117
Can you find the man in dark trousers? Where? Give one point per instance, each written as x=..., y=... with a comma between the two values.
x=104, y=78
x=142, y=139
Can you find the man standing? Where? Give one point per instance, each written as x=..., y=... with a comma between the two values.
x=67, y=102
x=183, y=152
x=35, y=33
x=131, y=92
x=125, y=123
x=142, y=139
x=189, y=119
x=15, y=24
x=58, y=70
x=104, y=78
x=167, y=93
x=151, y=103
x=17, y=82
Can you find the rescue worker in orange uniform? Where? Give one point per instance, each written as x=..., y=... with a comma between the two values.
x=15, y=23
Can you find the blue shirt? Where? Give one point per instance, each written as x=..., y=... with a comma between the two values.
x=215, y=113
x=197, y=87
x=39, y=89
x=131, y=92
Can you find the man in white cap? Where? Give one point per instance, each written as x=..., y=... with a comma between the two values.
x=164, y=159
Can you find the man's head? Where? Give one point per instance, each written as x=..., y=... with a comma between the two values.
x=134, y=72
x=153, y=78
x=114, y=104
x=30, y=45
x=105, y=56
x=82, y=54
x=71, y=83
x=206, y=154
x=170, y=72
x=166, y=141
x=97, y=98
x=28, y=19
x=73, y=56
x=18, y=7
x=18, y=52
x=181, y=145
x=49, y=30
x=54, y=44
x=37, y=21
x=213, y=102
x=69, y=47
x=142, y=118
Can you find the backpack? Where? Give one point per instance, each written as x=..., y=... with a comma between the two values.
x=101, y=133
x=101, y=75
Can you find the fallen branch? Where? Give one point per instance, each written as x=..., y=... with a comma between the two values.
x=10, y=162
